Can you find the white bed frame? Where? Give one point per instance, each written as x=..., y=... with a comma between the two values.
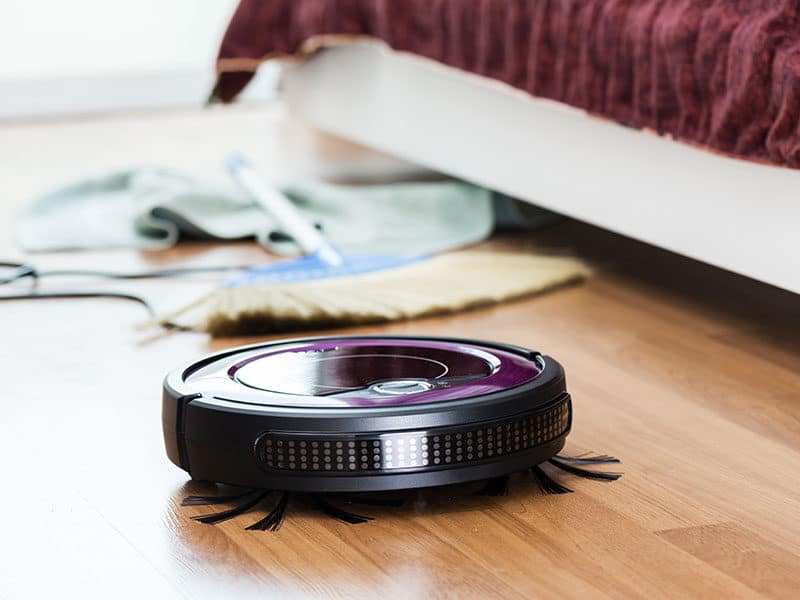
x=731, y=213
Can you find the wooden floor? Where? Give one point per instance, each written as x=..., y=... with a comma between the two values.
x=690, y=375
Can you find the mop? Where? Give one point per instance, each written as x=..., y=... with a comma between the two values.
x=326, y=288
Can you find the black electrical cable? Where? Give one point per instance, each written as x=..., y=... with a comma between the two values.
x=23, y=271
x=159, y=273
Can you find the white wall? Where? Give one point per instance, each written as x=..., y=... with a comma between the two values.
x=76, y=56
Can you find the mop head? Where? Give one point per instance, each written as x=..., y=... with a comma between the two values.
x=416, y=288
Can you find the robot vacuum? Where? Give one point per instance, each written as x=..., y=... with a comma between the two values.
x=354, y=414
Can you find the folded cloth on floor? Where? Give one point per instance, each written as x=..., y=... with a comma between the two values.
x=152, y=208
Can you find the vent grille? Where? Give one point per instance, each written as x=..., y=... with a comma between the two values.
x=412, y=450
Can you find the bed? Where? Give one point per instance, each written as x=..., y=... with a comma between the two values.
x=669, y=121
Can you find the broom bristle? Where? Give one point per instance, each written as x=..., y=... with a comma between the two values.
x=443, y=284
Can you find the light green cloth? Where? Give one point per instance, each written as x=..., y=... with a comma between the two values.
x=153, y=208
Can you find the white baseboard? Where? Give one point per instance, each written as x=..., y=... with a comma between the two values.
x=45, y=98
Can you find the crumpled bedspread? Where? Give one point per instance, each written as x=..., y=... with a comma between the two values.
x=722, y=74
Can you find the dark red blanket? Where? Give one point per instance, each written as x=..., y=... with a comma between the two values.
x=724, y=74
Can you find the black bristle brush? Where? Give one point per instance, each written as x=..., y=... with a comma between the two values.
x=497, y=486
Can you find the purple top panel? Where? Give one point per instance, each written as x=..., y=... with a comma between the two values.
x=376, y=372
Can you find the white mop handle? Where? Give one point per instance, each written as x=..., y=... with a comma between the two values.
x=281, y=208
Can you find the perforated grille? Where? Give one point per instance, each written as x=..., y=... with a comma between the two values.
x=412, y=450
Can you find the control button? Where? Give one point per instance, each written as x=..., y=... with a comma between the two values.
x=399, y=387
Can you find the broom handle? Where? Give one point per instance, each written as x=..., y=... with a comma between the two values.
x=281, y=208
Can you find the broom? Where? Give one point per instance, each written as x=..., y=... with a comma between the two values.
x=326, y=288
